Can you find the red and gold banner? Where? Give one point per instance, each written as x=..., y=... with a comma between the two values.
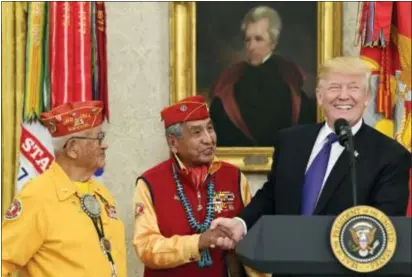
x=82, y=46
x=385, y=32
x=70, y=52
x=52, y=50
x=62, y=54
x=102, y=55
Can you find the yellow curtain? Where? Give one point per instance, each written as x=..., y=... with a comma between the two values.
x=13, y=28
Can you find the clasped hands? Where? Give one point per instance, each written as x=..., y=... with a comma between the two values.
x=224, y=233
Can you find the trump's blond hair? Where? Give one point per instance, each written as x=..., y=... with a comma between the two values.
x=348, y=65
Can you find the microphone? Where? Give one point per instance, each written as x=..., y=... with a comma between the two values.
x=343, y=131
x=345, y=136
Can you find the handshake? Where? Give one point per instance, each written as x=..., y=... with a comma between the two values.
x=224, y=233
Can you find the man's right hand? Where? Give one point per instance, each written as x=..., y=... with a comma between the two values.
x=209, y=238
x=236, y=228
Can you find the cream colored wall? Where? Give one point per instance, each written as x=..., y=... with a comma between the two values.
x=138, y=61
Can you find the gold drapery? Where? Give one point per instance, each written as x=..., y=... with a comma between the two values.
x=13, y=30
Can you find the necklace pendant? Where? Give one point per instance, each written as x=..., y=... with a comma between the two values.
x=106, y=246
x=199, y=208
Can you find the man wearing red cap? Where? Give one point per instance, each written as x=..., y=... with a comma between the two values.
x=64, y=223
x=176, y=200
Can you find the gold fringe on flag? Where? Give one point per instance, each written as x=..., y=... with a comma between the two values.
x=37, y=16
x=13, y=30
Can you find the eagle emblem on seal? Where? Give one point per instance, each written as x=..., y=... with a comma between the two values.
x=363, y=239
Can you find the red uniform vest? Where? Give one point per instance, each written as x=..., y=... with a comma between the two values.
x=171, y=215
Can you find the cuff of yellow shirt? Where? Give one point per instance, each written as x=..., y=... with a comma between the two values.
x=243, y=224
x=6, y=268
x=193, y=247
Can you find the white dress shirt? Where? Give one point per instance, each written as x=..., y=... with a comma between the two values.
x=335, y=152
x=267, y=57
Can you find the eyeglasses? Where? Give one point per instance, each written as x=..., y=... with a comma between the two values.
x=100, y=137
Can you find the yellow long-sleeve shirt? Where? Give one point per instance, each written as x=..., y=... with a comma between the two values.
x=159, y=252
x=46, y=233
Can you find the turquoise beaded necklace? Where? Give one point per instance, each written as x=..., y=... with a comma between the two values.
x=205, y=258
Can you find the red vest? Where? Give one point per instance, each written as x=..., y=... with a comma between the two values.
x=171, y=215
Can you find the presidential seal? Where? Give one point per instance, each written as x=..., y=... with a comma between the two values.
x=363, y=239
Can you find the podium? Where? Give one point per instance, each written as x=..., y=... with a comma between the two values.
x=298, y=245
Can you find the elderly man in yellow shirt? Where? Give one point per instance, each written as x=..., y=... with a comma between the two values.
x=64, y=223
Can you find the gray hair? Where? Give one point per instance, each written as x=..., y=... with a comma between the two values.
x=60, y=142
x=262, y=12
x=174, y=130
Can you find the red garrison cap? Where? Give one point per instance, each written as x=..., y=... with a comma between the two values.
x=72, y=118
x=188, y=109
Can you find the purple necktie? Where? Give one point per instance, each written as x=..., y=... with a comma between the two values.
x=314, y=177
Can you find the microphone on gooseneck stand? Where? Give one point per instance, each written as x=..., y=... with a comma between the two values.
x=345, y=136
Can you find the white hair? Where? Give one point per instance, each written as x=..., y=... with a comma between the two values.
x=60, y=142
x=262, y=12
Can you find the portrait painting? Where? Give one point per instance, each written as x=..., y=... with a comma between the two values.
x=256, y=64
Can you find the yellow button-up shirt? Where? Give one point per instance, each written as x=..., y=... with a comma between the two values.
x=49, y=234
x=159, y=252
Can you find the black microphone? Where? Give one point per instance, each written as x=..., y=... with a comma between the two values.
x=345, y=136
x=343, y=131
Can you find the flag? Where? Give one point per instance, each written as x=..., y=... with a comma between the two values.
x=64, y=63
x=384, y=30
x=13, y=29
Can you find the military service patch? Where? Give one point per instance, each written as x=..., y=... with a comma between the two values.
x=363, y=239
x=14, y=211
x=224, y=201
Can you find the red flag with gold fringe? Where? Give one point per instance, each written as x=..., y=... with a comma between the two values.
x=61, y=54
x=102, y=55
x=384, y=29
x=70, y=52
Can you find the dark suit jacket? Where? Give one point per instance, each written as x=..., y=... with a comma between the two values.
x=382, y=176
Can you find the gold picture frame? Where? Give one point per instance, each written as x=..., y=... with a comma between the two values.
x=182, y=24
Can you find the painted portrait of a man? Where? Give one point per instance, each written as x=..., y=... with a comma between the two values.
x=260, y=90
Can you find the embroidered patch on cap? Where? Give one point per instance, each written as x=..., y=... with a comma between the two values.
x=183, y=108
x=14, y=211
x=139, y=210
